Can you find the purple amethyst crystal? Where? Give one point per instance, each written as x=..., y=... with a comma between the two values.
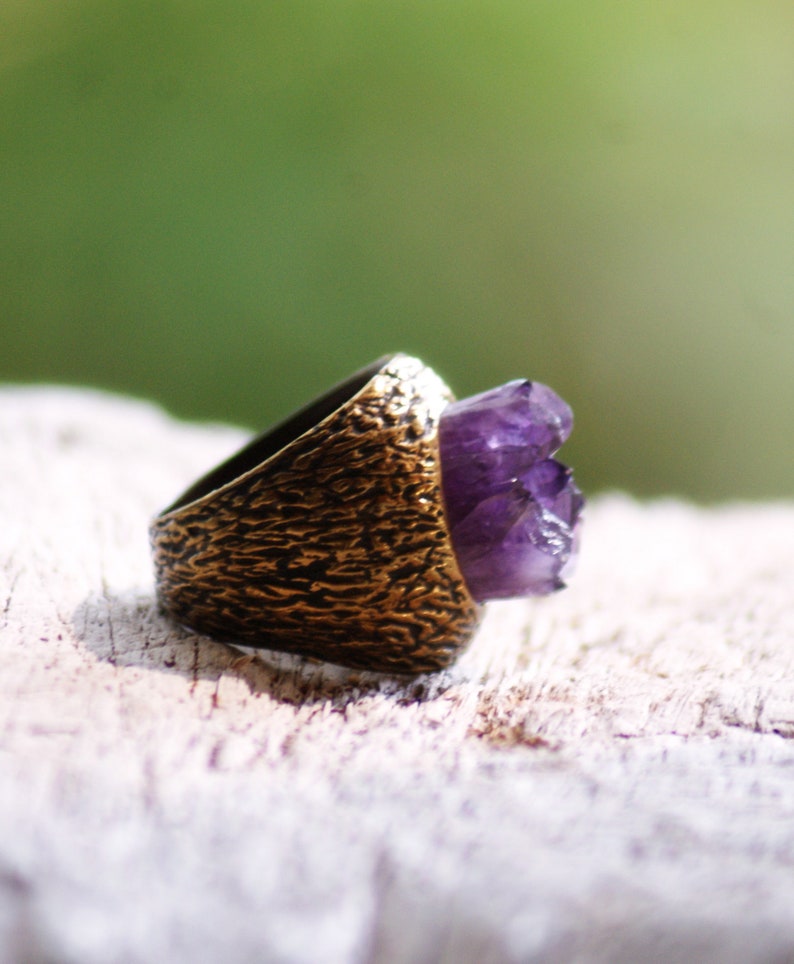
x=513, y=511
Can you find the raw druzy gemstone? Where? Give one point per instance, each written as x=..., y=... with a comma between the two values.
x=513, y=511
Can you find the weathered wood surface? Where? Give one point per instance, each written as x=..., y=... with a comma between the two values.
x=606, y=775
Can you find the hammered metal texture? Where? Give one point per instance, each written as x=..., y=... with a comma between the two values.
x=335, y=547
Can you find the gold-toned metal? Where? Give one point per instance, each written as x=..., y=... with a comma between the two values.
x=327, y=536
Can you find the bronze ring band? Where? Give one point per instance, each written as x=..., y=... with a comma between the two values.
x=326, y=536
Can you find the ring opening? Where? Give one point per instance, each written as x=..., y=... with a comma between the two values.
x=273, y=440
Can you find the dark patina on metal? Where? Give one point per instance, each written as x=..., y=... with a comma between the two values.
x=327, y=535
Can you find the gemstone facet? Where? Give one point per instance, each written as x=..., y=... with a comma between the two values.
x=513, y=511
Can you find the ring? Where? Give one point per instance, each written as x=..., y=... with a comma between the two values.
x=334, y=535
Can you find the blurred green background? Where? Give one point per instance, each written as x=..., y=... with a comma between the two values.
x=228, y=205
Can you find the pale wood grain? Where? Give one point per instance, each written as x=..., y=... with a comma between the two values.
x=606, y=775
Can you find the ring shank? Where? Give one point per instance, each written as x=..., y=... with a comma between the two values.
x=327, y=536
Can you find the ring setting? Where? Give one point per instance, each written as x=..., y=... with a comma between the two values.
x=369, y=527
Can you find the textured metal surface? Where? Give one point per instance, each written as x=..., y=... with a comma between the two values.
x=336, y=545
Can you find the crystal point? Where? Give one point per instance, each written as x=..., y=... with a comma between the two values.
x=513, y=511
